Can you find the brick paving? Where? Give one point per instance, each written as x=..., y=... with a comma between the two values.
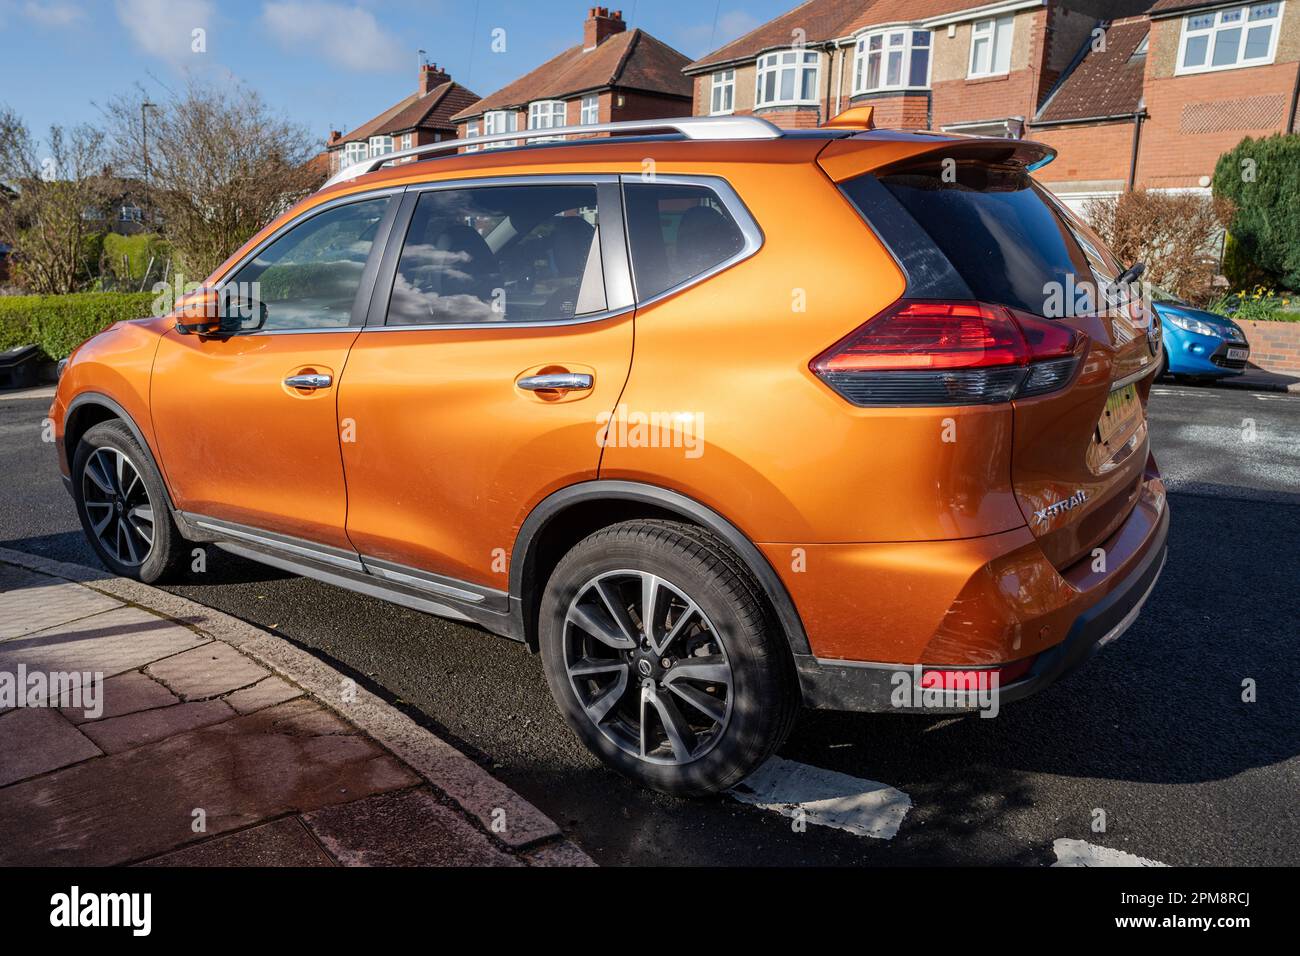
x=207, y=742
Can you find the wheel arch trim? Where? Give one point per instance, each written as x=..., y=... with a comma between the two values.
x=102, y=400
x=560, y=501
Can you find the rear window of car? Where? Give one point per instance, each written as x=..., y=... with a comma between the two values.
x=1002, y=235
x=677, y=232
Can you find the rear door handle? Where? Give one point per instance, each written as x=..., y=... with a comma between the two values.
x=563, y=382
x=309, y=382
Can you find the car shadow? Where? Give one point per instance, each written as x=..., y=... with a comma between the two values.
x=1164, y=704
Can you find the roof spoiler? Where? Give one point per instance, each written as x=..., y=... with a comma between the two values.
x=883, y=151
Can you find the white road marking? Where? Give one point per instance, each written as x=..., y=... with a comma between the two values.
x=827, y=799
x=1082, y=853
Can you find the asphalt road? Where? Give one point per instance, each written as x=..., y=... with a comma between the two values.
x=1153, y=730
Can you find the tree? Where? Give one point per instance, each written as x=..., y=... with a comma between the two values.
x=43, y=216
x=1261, y=177
x=215, y=162
x=1175, y=234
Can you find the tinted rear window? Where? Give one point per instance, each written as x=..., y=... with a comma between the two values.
x=1003, y=237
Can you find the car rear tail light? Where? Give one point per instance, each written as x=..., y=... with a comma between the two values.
x=950, y=353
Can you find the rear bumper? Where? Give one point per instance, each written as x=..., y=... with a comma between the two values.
x=879, y=687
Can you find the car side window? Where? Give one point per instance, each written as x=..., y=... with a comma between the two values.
x=309, y=277
x=677, y=232
x=528, y=253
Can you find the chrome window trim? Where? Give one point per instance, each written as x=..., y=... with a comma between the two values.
x=731, y=201
x=608, y=269
x=306, y=214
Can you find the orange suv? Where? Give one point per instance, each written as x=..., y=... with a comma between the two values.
x=722, y=419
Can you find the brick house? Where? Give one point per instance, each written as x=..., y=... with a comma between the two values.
x=421, y=118
x=957, y=65
x=1167, y=93
x=1144, y=93
x=615, y=74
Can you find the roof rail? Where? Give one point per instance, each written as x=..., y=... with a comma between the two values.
x=690, y=127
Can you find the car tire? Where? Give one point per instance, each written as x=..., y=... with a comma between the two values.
x=123, y=505
x=697, y=703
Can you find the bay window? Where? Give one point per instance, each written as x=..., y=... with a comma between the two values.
x=892, y=60
x=990, y=46
x=500, y=121
x=787, y=78
x=722, y=98
x=354, y=153
x=1230, y=38
x=546, y=114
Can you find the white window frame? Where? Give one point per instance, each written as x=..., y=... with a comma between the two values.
x=354, y=153
x=722, y=93
x=380, y=146
x=990, y=30
x=507, y=119
x=589, y=115
x=471, y=130
x=547, y=114
x=776, y=62
x=1218, y=24
x=909, y=46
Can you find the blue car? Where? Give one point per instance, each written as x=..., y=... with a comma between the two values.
x=1198, y=344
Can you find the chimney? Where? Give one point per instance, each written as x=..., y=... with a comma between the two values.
x=431, y=77
x=600, y=25
x=335, y=136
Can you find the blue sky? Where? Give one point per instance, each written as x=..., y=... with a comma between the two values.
x=326, y=63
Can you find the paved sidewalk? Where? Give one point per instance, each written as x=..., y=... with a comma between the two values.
x=139, y=727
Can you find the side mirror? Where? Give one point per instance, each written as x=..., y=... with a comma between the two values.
x=219, y=312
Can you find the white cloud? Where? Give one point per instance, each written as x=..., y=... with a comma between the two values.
x=53, y=14
x=346, y=36
x=164, y=28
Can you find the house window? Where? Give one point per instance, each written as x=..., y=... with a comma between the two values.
x=990, y=46
x=892, y=60
x=547, y=114
x=723, y=98
x=381, y=145
x=590, y=114
x=500, y=121
x=408, y=140
x=354, y=153
x=1226, y=39
x=471, y=131
x=787, y=78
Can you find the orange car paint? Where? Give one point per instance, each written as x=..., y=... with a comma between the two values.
x=895, y=544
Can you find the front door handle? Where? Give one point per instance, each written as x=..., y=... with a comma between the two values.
x=309, y=382
x=562, y=382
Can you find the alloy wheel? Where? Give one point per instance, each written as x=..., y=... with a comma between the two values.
x=648, y=667
x=118, y=506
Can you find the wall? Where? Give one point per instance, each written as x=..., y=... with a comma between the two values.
x=1194, y=119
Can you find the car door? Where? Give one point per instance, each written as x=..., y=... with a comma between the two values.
x=499, y=341
x=246, y=422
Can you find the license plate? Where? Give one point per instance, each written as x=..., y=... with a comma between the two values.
x=1123, y=408
x=1238, y=354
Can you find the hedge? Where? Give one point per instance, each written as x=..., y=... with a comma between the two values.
x=59, y=323
x=1262, y=179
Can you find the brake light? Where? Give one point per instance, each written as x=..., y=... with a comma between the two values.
x=950, y=353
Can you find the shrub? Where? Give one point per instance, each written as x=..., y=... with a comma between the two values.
x=1261, y=177
x=59, y=323
x=1175, y=234
x=137, y=251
